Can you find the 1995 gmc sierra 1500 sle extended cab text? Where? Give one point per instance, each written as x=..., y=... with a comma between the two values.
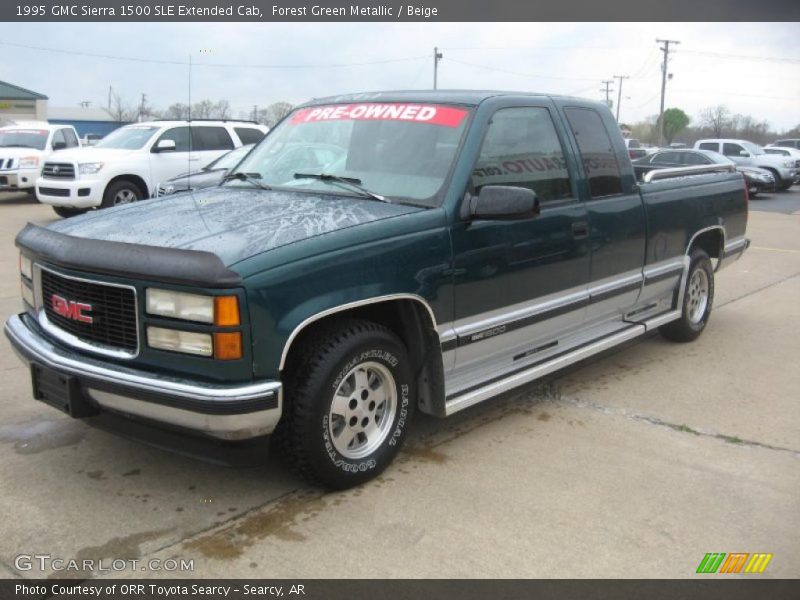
x=374, y=255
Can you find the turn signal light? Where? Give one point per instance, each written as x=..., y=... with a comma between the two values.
x=228, y=346
x=226, y=311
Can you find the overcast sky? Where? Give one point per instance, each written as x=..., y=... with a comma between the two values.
x=709, y=67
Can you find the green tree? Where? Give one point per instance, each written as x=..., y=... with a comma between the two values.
x=675, y=121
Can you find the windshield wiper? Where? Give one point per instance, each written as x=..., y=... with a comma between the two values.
x=248, y=177
x=351, y=181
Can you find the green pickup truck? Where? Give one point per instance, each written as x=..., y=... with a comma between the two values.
x=375, y=255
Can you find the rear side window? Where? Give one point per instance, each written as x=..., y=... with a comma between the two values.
x=179, y=135
x=709, y=146
x=666, y=158
x=731, y=149
x=599, y=158
x=694, y=158
x=249, y=135
x=522, y=149
x=211, y=138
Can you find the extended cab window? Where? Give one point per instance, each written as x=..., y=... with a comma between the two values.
x=211, y=138
x=249, y=135
x=179, y=135
x=709, y=146
x=599, y=158
x=521, y=148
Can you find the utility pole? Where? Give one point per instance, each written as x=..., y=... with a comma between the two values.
x=255, y=112
x=665, y=50
x=437, y=56
x=109, y=98
x=141, y=107
x=608, y=91
x=619, y=97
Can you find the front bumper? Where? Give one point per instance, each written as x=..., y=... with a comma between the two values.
x=18, y=179
x=219, y=411
x=78, y=193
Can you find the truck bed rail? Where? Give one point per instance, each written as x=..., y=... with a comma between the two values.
x=685, y=171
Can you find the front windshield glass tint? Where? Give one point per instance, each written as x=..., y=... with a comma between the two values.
x=229, y=160
x=753, y=148
x=127, y=138
x=23, y=138
x=399, y=151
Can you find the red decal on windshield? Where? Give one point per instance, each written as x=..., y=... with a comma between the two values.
x=432, y=114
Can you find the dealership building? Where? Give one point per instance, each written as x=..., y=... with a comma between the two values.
x=19, y=104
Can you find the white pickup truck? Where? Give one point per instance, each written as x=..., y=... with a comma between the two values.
x=128, y=164
x=24, y=147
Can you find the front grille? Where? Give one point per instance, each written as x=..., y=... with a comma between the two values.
x=6, y=163
x=54, y=170
x=46, y=191
x=113, y=311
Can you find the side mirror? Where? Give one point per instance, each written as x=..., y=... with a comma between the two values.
x=504, y=203
x=744, y=153
x=59, y=145
x=165, y=146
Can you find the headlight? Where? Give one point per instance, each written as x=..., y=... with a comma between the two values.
x=26, y=266
x=28, y=162
x=218, y=310
x=788, y=163
x=89, y=168
x=188, y=342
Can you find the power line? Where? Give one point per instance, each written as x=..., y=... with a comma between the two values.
x=530, y=75
x=742, y=56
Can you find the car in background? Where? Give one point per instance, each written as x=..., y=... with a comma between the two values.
x=91, y=139
x=24, y=146
x=635, y=148
x=748, y=154
x=210, y=175
x=758, y=180
x=788, y=143
x=128, y=164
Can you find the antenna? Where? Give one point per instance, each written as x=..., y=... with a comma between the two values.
x=189, y=155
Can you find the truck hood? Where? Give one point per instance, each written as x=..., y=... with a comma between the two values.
x=776, y=160
x=89, y=154
x=232, y=223
x=12, y=152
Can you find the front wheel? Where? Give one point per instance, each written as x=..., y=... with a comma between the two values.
x=350, y=400
x=121, y=192
x=698, y=297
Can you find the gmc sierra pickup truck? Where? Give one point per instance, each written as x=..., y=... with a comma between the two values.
x=373, y=256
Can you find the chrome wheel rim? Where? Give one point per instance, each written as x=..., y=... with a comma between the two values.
x=697, y=293
x=124, y=196
x=362, y=410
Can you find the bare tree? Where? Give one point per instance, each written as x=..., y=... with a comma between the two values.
x=717, y=119
x=276, y=111
x=121, y=111
x=221, y=110
x=176, y=111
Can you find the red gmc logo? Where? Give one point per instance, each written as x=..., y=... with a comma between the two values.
x=70, y=309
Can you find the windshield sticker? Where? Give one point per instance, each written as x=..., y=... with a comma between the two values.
x=446, y=116
x=30, y=131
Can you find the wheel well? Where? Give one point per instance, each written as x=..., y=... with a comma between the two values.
x=135, y=180
x=411, y=321
x=710, y=241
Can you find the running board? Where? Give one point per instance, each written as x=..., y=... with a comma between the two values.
x=474, y=396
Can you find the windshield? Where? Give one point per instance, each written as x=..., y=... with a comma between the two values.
x=229, y=160
x=127, y=138
x=753, y=149
x=398, y=151
x=23, y=138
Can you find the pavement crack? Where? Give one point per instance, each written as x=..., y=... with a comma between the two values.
x=756, y=291
x=682, y=428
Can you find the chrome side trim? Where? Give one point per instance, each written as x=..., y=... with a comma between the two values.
x=51, y=356
x=509, y=382
x=225, y=427
x=666, y=266
x=657, y=174
x=71, y=339
x=347, y=306
x=704, y=230
x=660, y=320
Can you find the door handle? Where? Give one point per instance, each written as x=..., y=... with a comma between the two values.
x=580, y=230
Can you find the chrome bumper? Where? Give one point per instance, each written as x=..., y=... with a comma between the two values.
x=220, y=411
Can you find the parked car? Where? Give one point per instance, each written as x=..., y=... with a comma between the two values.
x=758, y=180
x=788, y=152
x=791, y=143
x=211, y=174
x=128, y=163
x=91, y=139
x=746, y=153
x=462, y=244
x=24, y=147
x=635, y=149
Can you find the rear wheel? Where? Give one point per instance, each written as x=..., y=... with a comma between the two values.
x=350, y=401
x=121, y=192
x=698, y=298
x=66, y=211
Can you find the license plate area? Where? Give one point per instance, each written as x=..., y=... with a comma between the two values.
x=60, y=391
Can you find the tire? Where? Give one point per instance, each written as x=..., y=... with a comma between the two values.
x=67, y=212
x=698, y=298
x=121, y=192
x=367, y=368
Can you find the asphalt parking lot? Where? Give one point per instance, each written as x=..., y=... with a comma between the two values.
x=634, y=465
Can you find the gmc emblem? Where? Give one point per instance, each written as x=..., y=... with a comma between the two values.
x=70, y=309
